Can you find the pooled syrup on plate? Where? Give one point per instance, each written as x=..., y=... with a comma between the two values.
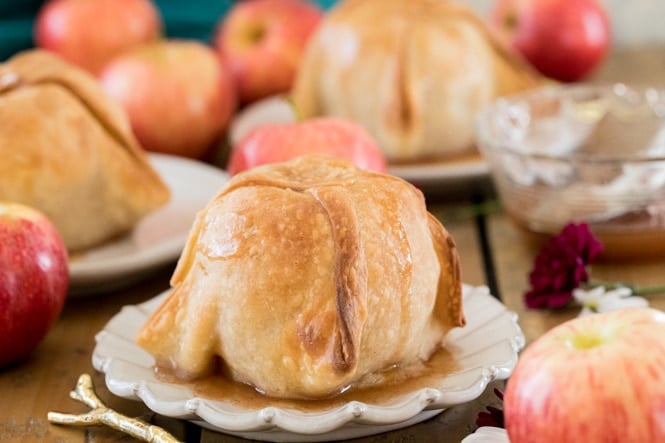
x=375, y=389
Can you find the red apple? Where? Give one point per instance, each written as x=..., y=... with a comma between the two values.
x=564, y=39
x=88, y=33
x=34, y=278
x=178, y=95
x=263, y=41
x=272, y=143
x=599, y=378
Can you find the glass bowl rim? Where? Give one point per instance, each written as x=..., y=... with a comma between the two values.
x=484, y=115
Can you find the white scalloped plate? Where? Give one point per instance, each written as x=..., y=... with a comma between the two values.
x=485, y=349
x=487, y=434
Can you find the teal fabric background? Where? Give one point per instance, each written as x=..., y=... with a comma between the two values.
x=197, y=19
x=16, y=18
x=184, y=19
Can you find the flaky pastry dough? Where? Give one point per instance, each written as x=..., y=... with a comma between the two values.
x=301, y=278
x=413, y=72
x=68, y=150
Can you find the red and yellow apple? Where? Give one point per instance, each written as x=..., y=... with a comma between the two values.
x=564, y=39
x=263, y=41
x=336, y=137
x=89, y=33
x=34, y=279
x=178, y=95
x=599, y=378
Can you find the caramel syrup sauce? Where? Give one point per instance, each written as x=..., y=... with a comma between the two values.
x=373, y=389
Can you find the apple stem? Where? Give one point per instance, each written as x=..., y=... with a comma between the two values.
x=294, y=109
x=102, y=415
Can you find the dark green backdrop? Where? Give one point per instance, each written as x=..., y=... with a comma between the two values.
x=182, y=18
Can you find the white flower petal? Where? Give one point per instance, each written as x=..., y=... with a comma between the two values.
x=584, y=296
x=598, y=300
x=622, y=292
x=628, y=302
x=487, y=434
x=586, y=311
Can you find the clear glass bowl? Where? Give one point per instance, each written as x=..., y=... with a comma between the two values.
x=582, y=153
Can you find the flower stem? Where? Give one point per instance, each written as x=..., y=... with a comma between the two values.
x=635, y=289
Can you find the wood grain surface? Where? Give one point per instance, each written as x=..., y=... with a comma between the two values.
x=493, y=252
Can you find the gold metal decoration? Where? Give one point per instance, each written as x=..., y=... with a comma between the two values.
x=102, y=415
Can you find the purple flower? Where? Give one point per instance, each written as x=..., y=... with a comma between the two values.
x=492, y=416
x=560, y=267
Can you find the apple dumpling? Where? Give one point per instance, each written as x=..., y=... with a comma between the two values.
x=302, y=278
x=413, y=73
x=67, y=150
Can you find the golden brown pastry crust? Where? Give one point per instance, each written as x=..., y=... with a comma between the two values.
x=304, y=277
x=68, y=150
x=413, y=73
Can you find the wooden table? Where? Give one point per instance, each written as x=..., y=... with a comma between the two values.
x=493, y=252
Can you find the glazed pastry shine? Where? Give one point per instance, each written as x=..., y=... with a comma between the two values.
x=302, y=278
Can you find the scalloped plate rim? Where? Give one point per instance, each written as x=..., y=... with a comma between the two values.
x=274, y=424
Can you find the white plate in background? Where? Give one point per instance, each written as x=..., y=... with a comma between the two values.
x=487, y=434
x=277, y=110
x=440, y=173
x=485, y=349
x=157, y=239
